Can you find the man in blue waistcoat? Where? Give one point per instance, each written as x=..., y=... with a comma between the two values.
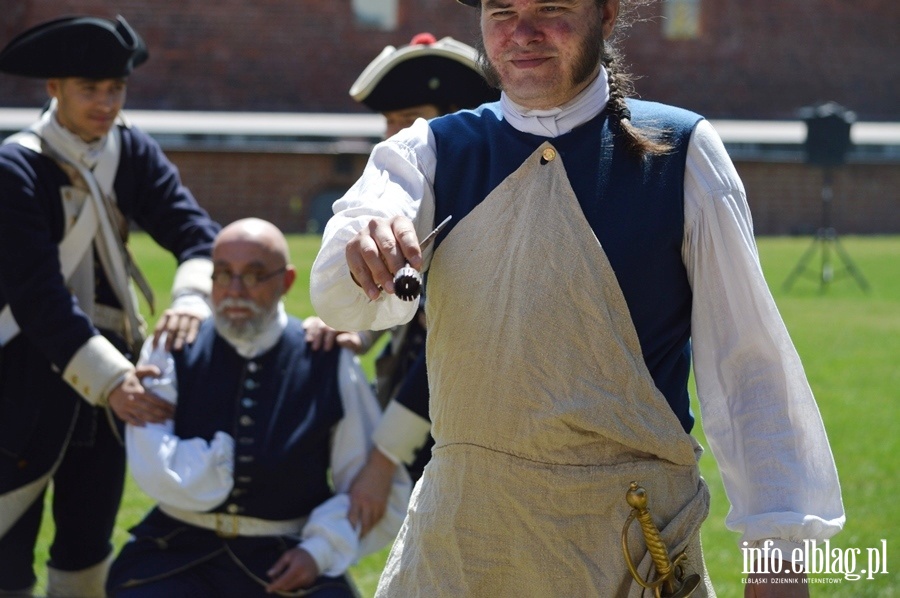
x=71, y=186
x=599, y=246
x=251, y=475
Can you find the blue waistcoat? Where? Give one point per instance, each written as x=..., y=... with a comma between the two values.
x=279, y=407
x=636, y=209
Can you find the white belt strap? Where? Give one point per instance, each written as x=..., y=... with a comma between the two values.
x=109, y=318
x=231, y=526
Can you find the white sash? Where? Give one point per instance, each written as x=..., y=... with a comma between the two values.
x=113, y=257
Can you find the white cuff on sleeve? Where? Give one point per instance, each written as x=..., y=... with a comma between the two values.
x=320, y=550
x=193, y=275
x=401, y=433
x=329, y=538
x=95, y=369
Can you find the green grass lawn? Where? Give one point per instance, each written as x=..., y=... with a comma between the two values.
x=850, y=345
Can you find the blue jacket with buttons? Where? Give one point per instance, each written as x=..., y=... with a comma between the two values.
x=279, y=407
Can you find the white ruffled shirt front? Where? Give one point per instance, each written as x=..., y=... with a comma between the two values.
x=195, y=475
x=758, y=412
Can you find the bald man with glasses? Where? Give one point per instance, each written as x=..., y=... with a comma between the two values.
x=251, y=475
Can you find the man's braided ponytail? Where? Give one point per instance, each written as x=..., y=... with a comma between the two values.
x=639, y=142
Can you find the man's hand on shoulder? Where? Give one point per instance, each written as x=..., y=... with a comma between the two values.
x=180, y=325
x=295, y=569
x=322, y=336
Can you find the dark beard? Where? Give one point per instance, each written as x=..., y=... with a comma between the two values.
x=585, y=63
x=490, y=73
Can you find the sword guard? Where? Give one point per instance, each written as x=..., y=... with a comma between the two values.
x=407, y=283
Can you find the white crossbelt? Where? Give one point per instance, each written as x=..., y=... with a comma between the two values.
x=109, y=318
x=227, y=525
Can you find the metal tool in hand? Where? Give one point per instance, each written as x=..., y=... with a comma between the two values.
x=670, y=582
x=408, y=280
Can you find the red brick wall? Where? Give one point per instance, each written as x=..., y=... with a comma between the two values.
x=784, y=198
x=277, y=187
x=765, y=60
x=787, y=198
x=260, y=55
x=752, y=60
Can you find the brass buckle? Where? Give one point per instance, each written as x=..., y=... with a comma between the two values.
x=227, y=526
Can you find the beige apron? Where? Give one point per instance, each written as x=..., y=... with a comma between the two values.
x=543, y=412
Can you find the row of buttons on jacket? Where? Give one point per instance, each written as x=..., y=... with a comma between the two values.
x=245, y=436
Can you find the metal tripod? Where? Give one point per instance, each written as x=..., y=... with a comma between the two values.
x=826, y=240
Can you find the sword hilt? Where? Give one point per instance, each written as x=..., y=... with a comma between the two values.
x=669, y=582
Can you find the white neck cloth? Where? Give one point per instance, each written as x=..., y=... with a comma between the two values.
x=67, y=143
x=101, y=157
x=562, y=119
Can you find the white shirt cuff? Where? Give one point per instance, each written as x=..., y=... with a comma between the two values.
x=193, y=275
x=95, y=369
x=329, y=538
x=401, y=433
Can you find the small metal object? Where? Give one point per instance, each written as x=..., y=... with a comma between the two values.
x=670, y=582
x=408, y=280
x=228, y=526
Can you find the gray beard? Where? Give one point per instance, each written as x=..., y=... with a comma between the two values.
x=240, y=332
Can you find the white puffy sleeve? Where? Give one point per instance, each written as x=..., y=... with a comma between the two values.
x=758, y=412
x=397, y=180
x=328, y=536
x=190, y=474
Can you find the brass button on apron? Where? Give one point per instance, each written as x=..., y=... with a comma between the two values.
x=549, y=154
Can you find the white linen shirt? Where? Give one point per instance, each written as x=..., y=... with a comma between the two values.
x=196, y=475
x=758, y=412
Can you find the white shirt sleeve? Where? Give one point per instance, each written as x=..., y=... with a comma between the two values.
x=193, y=278
x=328, y=536
x=190, y=474
x=398, y=180
x=758, y=412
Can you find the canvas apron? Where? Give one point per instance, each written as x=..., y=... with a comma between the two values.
x=543, y=412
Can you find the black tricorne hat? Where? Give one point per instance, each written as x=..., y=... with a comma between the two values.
x=442, y=72
x=472, y=3
x=81, y=46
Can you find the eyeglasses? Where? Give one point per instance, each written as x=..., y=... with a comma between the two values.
x=249, y=279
